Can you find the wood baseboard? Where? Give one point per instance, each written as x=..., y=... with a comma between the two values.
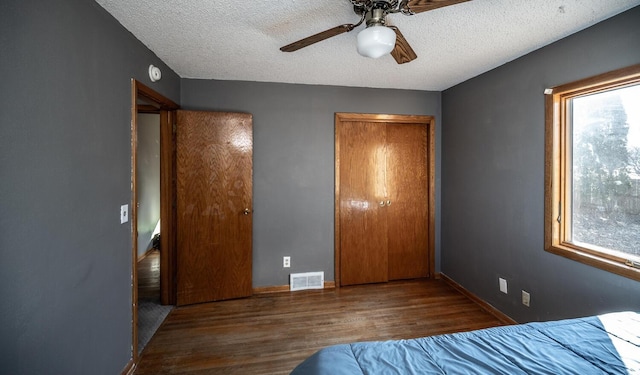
x=129, y=368
x=285, y=288
x=146, y=253
x=271, y=289
x=329, y=284
x=482, y=303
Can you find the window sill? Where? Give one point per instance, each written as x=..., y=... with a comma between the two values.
x=617, y=267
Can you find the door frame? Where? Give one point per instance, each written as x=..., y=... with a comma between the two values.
x=430, y=123
x=146, y=100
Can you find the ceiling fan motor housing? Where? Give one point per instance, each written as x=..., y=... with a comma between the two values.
x=375, y=17
x=375, y=11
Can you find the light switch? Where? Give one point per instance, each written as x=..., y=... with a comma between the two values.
x=124, y=213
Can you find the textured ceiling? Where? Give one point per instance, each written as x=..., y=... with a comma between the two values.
x=228, y=40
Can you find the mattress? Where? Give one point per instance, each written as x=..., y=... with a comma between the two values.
x=604, y=344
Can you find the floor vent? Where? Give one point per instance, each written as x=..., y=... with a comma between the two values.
x=307, y=280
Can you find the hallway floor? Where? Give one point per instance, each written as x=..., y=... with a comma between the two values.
x=151, y=313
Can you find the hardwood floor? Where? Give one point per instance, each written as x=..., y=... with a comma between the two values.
x=151, y=313
x=149, y=276
x=272, y=333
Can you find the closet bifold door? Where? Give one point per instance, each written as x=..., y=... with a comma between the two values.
x=363, y=238
x=384, y=198
x=406, y=173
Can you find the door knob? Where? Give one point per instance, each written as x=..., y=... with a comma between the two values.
x=381, y=203
x=246, y=211
x=388, y=203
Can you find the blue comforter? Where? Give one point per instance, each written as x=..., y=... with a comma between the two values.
x=605, y=344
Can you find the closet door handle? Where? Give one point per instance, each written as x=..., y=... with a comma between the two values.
x=381, y=203
x=388, y=203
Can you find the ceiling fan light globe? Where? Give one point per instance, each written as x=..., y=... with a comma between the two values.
x=376, y=41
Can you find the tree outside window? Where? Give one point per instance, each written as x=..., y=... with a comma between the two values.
x=605, y=200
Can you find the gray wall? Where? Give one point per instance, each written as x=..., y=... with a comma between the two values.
x=65, y=260
x=65, y=169
x=493, y=180
x=148, y=184
x=293, y=159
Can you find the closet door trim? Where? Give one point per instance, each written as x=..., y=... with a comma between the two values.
x=429, y=122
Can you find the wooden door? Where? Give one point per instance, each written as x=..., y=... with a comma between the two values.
x=214, y=199
x=385, y=217
x=407, y=214
x=363, y=237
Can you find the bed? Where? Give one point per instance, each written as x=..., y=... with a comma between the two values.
x=604, y=344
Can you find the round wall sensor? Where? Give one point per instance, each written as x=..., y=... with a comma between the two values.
x=154, y=73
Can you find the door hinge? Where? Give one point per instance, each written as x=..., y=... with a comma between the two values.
x=559, y=212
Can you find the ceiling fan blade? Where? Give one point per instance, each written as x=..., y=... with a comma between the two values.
x=419, y=6
x=317, y=38
x=402, y=52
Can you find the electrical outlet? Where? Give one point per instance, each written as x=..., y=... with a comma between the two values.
x=124, y=213
x=286, y=262
x=526, y=298
x=503, y=285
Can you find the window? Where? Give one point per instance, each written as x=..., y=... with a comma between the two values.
x=592, y=182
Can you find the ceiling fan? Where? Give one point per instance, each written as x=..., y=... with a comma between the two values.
x=378, y=38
